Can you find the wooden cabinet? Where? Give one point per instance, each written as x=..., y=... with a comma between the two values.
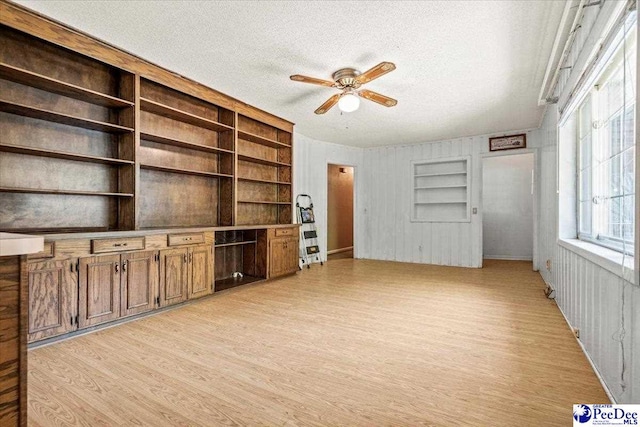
x=99, y=290
x=185, y=273
x=52, y=298
x=283, y=256
x=113, y=286
x=174, y=273
x=139, y=282
x=200, y=271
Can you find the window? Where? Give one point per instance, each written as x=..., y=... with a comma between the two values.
x=606, y=153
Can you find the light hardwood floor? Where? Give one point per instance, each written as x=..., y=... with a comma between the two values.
x=355, y=342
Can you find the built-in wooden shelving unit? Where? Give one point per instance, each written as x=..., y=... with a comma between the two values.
x=441, y=190
x=152, y=151
x=264, y=173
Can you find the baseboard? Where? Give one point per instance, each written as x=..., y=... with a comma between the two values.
x=508, y=257
x=584, y=350
x=337, y=251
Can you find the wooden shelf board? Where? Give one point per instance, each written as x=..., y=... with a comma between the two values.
x=263, y=181
x=65, y=119
x=10, y=148
x=184, y=144
x=261, y=161
x=60, y=230
x=65, y=192
x=222, y=284
x=263, y=202
x=223, y=245
x=431, y=187
x=257, y=139
x=184, y=171
x=441, y=203
x=438, y=174
x=175, y=114
x=29, y=78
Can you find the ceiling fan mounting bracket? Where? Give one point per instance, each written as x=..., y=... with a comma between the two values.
x=346, y=78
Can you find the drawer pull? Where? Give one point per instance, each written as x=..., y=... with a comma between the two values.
x=117, y=245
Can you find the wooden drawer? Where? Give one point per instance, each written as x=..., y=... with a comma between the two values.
x=285, y=232
x=185, y=239
x=117, y=244
x=47, y=252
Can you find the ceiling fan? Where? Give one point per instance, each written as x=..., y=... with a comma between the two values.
x=349, y=81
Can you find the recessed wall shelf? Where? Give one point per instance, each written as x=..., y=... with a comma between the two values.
x=440, y=190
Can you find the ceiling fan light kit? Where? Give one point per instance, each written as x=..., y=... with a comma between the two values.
x=349, y=81
x=349, y=102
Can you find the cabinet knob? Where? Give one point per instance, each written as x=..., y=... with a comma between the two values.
x=185, y=258
x=124, y=266
x=117, y=268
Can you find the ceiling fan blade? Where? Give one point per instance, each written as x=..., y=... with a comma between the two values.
x=379, y=70
x=312, y=80
x=328, y=104
x=376, y=97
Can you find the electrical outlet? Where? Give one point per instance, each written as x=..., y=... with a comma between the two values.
x=475, y=211
x=548, y=265
x=576, y=332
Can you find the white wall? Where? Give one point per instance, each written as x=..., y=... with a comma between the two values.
x=311, y=158
x=386, y=201
x=507, y=207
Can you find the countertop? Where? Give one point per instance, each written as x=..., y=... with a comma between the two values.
x=20, y=244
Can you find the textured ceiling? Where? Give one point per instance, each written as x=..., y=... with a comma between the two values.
x=463, y=67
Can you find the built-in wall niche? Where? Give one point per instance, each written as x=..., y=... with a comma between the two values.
x=440, y=190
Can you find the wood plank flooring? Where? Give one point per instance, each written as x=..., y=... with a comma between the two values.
x=356, y=342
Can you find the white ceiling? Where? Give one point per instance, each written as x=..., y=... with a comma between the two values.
x=463, y=67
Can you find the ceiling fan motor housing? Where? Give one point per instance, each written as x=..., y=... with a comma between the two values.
x=346, y=78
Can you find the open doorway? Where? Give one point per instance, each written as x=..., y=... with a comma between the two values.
x=339, y=212
x=508, y=207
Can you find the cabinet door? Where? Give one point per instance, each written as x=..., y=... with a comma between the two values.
x=174, y=274
x=99, y=296
x=139, y=282
x=201, y=271
x=283, y=256
x=276, y=257
x=52, y=298
x=291, y=256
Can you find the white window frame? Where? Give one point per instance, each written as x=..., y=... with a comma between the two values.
x=596, y=214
